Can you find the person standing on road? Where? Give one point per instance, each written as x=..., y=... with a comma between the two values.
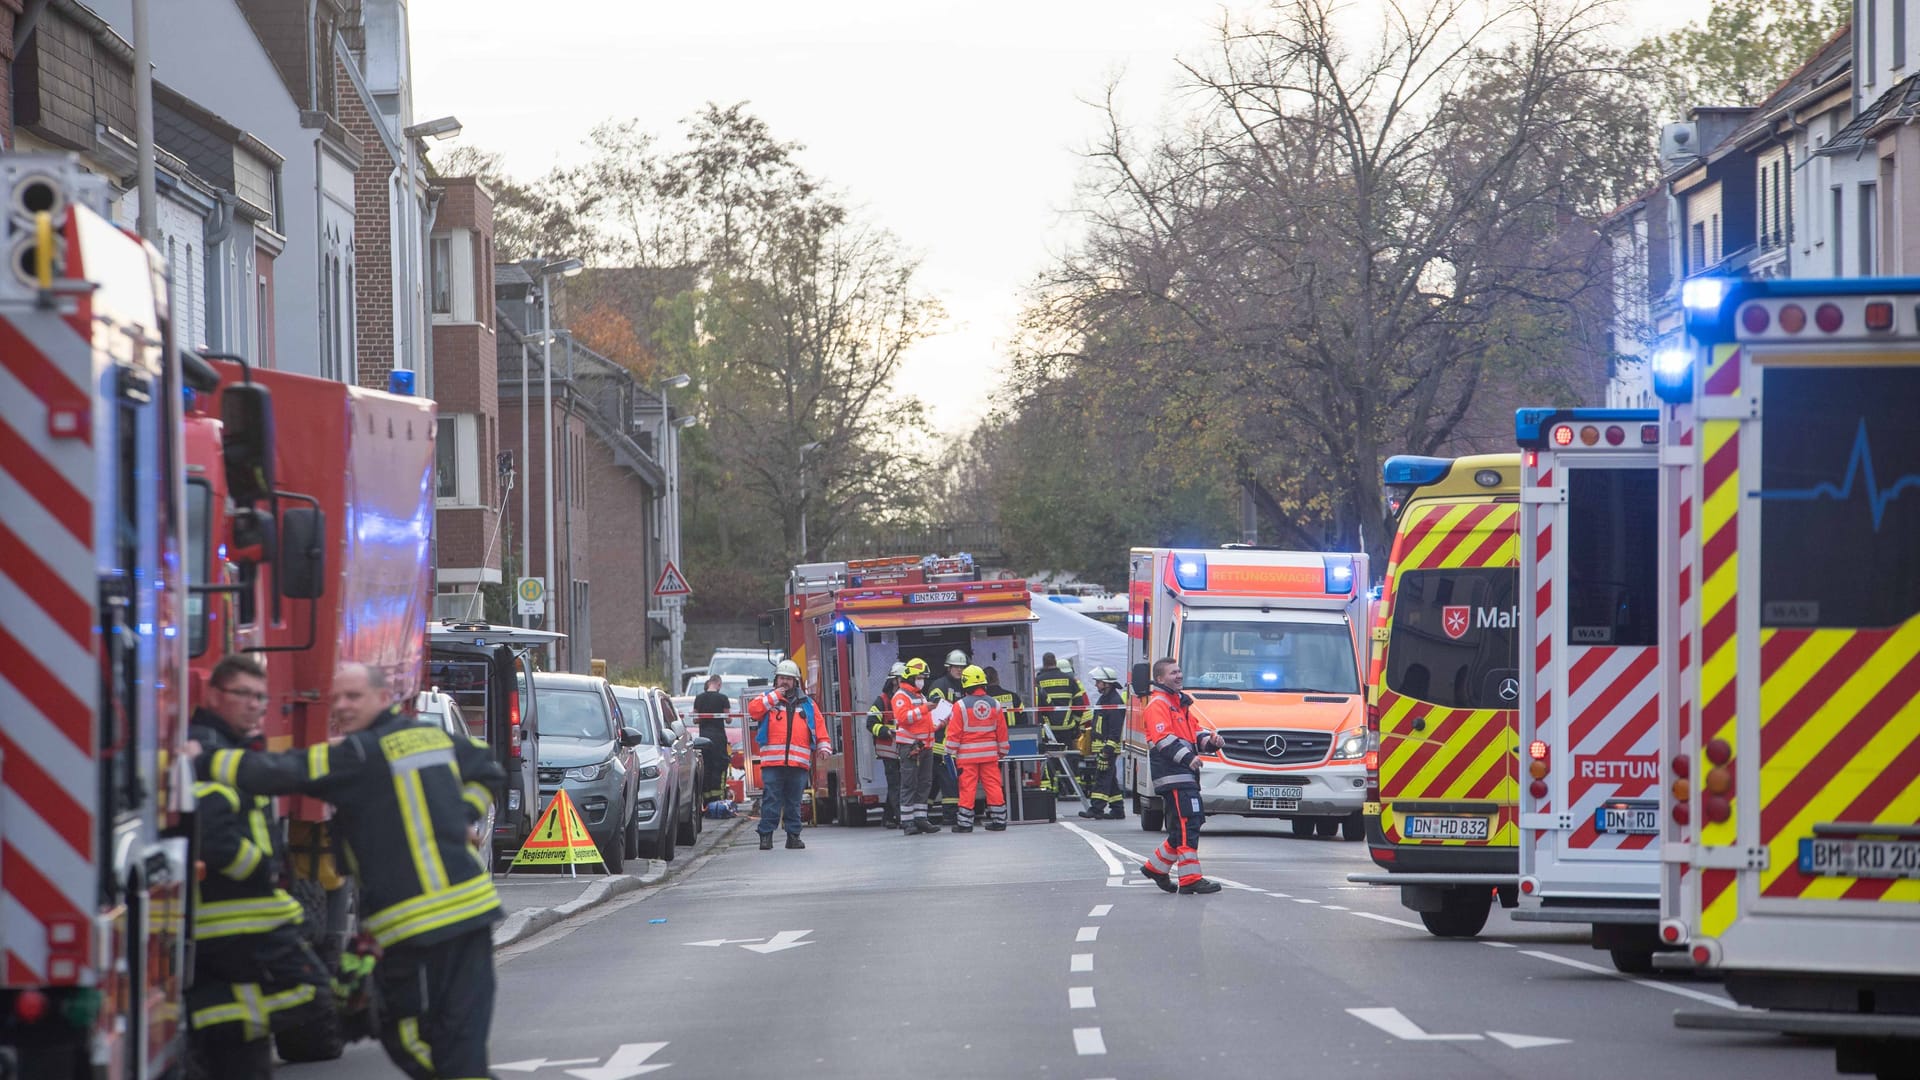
x=1175, y=744
x=1010, y=703
x=946, y=690
x=1062, y=704
x=913, y=730
x=977, y=737
x=710, y=711
x=1108, y=731
x=408, y=800
x=880, y=726
x=253, y=971
x=788, y=733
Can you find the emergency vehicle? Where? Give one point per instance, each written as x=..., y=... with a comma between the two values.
x=1590, y=677
x=848, y=622
x=1791, y=529
x=1270, y=644
x=95, y=860
x=1442, y=815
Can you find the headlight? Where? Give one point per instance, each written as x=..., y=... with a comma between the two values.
x=649, y=772
x=1351, y=745
x=587, y=774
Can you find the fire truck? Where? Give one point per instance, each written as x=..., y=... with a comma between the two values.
x=96, y=857
x=848, y=622
x=1790, y=521
x=1591, y=680
x=1271, y=646
x=314, y=556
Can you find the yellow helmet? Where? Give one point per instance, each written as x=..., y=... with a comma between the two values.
x=972, y=677
x=916, y=668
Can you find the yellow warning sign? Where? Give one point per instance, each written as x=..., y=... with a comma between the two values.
x=559, y=839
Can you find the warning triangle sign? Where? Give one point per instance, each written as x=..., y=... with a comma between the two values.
x=672, y=582
x=559, y=839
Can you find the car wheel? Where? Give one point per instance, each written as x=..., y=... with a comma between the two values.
x=688, y=829
x=649, y=847
x=614, y=852
x=1632, y=961
x=1353, y=826
x=1463, y=912
x=669, y=839
x=632, y=832
x=1303, y=827
x=1327, y=827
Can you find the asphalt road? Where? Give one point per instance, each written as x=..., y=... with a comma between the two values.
x=1020, y=954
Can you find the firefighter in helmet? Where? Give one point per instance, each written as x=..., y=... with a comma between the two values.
x=1108, y=730
x=880, y=726
x=913, y=737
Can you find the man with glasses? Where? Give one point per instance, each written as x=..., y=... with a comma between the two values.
x=253, y=969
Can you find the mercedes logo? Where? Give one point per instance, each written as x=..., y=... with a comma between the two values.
x=1276, y=745
x=1509, y=689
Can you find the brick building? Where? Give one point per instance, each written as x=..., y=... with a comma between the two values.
x=468, y=474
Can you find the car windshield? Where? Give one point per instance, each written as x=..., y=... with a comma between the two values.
x=752, y=665
x=1279, y=656
x=633, y=712
x=573, y=714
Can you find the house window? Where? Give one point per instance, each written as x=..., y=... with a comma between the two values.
x=1697, y=247
x=1899, y=34
x=1713, y=253
x=1839, y=232
x=441, y=256
x=1780, y=204
x=1869, y=213
x=456, y=461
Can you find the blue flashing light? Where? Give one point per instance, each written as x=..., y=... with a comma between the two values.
x=400, y=381
x=171, y=631
x=1414, y=470
x=146, y=629
x=1703, y=294
x=1672, y=374
x=1339, y=573
x=221, y=552
x=841, y=626
x=1270, y=676
x=1190, y=571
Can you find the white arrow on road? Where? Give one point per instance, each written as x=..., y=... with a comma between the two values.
x=717, y=942
x=1525, y=1042
x=785, y=939
x=1394, y=1023
x=628, y=1061
x=536, y=1064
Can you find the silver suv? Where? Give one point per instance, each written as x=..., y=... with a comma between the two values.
x=668, y=811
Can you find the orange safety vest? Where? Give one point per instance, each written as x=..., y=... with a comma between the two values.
x=912, y=718
x=977, y=732
x=786, y=734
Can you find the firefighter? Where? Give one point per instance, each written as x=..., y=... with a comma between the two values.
x=1062, y=703
x=710, y=711
x=880, y=726
x=913, y=731
x=253, y=970
x=947, y=689
x=1175, y=744
x=1010, y=702
x=789, y=731
x=408, y=800
x=977, y=736
x=1108, y=729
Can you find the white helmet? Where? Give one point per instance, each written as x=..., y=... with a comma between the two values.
x=898, y=669
x=1066, y=666
x=787, y=668
x=1104, y=674
x=956, y=658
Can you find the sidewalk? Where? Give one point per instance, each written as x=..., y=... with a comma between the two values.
x=534, y=900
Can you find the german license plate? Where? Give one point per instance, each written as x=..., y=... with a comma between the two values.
x=1820, y=857
x=1637, y=819
x=1432, y=827
x=1274, y=791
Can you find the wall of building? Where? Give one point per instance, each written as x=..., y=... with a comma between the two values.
x=620, y=540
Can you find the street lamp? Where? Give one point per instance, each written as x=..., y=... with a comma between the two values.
x=541, y=269
x=416, y=352
x=804, y=451
x=670, y=450
x=445, y=127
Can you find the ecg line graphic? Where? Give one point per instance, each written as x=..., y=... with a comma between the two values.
x=1859, y=466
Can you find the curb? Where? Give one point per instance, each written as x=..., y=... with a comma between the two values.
x=523, y=924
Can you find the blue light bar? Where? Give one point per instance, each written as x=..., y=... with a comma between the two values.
x=1671, y=371
x=1190, y=571
x=400, y=381
x=841, y=626
x=1412, y=469
x=1704, y=293
x=1339, y=573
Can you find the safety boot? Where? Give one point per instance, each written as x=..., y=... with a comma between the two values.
x=794, y=843
x=925, y=826
x=963, y=828
x=1166, y=883
x=766, y=841
x=996, y=826
x=1201, y=887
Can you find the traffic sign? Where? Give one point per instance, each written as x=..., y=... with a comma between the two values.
x=532, y=593
x=672, y=582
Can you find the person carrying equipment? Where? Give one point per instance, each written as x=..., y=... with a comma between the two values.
x=977, y=738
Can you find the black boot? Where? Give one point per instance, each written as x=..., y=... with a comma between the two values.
x=794, y=843
x=925, y=826
x=1166, y=883
x=1090, y=812
x=766, y=841
x=1202, y=887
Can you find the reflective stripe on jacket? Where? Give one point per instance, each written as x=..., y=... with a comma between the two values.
x=977, y=731
x=1173, y=741
x=786, y=734
x=880, y=726
x=912, y=718
x=1110, y=721
x=1062, y=701
x=240, y=893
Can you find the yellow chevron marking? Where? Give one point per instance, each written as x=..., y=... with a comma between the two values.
x=1719, y=915
x=1718, y=358
x=1442, y=532
x=1801, y=667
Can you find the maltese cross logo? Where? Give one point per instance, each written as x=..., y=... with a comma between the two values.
x=1455, y=619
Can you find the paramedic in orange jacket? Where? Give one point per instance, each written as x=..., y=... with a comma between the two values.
x=977, y=739
x=788, y=730
x=1174, y=746
x=913, y=730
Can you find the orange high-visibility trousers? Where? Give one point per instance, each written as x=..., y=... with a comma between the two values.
x=975, y=775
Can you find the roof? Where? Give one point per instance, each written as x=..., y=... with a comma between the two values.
x=1829, y=60
x=1898, y=105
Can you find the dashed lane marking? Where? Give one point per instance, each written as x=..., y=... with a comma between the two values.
x=1082, y=961
x=1079, y=997
x=1099, y=910
x=1681, y=991
x=1088, y=933
x=1499, y=945
x=1281, y=895
x=1304, y=900
x=1087, y=1041
x=1388, y=919
x=1333, y=907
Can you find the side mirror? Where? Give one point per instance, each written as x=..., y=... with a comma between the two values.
x=246, y=417
x=302, y=571
x=1142, y=679
x=764, y=625
x=679, y=728
x=631, y=737
x=701, y=742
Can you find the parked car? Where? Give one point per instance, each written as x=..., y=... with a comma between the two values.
x=440, y=710
x=483, y=668
x=588, y=747
x=668, y=811
x=689, y=763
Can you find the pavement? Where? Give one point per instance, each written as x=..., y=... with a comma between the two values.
x=1039, y=952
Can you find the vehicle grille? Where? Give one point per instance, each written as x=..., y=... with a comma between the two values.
x=552, y=776
x=1300, y=747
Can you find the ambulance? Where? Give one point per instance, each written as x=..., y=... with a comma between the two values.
x=848, y=622
x=1791, y=540
x=1270, y=643
x=1442, y=818
x=1591, y=680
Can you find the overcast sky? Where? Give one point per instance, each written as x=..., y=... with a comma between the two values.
x=958, y=125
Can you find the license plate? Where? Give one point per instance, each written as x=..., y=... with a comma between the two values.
x=1428, y=827
x=1632, y=818
x=1860, y=858
x=1274, y=791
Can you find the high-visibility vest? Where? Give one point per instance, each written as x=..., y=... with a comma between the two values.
x=787, y=733
x=977, y=732
x=912, y=718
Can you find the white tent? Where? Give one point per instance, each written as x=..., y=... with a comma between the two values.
x=1089, y=643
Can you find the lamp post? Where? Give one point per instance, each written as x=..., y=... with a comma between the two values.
x=445, y=127
x=669, y=448
x=804, y=451
x=545, y=269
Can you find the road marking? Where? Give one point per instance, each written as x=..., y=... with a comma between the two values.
x=1682, y=991
x=1088, y=933
x=536, y=1064
x=1087, y=1041
x=1333, y=907
x=1394, y=1023
x=627, y=1062
x=1079, y=997
x=1082, y=961
x=1099, y=911
x=1101, y=841
x=1098, y=844
x=1499, y=945
x=717, y=942
x=1281, y=895
x=1389, y=919
x=1304, y=900
x=780, y=942
x=1524, y=1042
